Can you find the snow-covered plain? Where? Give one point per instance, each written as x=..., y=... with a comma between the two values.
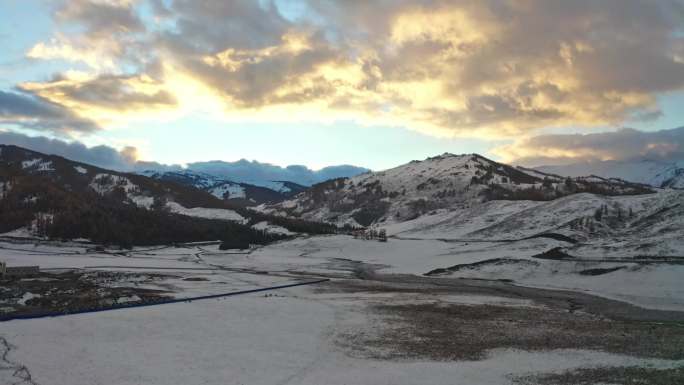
x=291, y=336
x=250, y=339
x=656, y=286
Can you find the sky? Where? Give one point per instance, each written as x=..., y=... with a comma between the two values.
x=370, y=83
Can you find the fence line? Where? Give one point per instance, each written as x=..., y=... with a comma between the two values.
x=155, y=303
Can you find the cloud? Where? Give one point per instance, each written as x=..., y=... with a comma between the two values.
x=489, y=68
x=31, y=111
x=96, y=55
x=101, y=18
x=126, y=159
x=492, y=68
x=114, y=92
x=102, y=156
x=623, y=144
x=104, y=34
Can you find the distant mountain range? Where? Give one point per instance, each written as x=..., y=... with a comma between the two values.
x=244, y=194
x=251, y=183
x=656, y=173
x=262, y=174
x=467, y=196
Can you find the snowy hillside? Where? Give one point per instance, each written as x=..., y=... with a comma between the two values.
x=446, y=182
x=652, y=172
x=55, y=197
x=588, y=225
x=237, y=192
x=471, y=198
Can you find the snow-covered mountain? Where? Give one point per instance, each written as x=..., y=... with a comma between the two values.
x=61, y=198
x=236, y=192
x=463, y=198
x=445, y=197
x=443, y=182
x=251, y=183
x=656, y=173
x=262, y=174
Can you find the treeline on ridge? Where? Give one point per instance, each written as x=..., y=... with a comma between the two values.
x=61, y=214
x=58, y=212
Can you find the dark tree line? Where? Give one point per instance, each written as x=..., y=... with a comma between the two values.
x=111, y=222
x=293, y=224
x=60, y=213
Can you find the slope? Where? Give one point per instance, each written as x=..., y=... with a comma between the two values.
x=59, y=198
x=442, y=182
x=242, y=194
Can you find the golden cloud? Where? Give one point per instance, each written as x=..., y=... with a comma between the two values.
x=106, y=97
x=457, y=68
x=98, y=55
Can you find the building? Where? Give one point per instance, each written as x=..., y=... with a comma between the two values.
x=17, y=271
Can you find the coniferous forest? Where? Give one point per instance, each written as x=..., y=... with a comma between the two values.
x=62, y=204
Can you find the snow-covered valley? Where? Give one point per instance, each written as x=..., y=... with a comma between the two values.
x=344, y=330
x=484, y=273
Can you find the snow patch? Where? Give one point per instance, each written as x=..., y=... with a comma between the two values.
x=228, y=191
x=27, y=297
x=273, y=185
x=38, y=164
x=22, y=232
x=274, y=229
x=201, y=212
x=105, y=183
x=142, y=201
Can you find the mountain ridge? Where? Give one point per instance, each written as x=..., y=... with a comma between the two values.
x=444, y=181
x=243, y=194
x=257, y=173
x=61, y=198
x=657, y=173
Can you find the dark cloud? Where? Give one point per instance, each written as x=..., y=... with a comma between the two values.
x=126, y=159
x=34, y=112
x=101, y=156
x=115, y=92
x=100, y=18
x=160, y=10
x=256, y=82
x=240, y=48
x=624, y=144
x=213, y=26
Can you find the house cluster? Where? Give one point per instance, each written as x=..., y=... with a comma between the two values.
x=17, y=271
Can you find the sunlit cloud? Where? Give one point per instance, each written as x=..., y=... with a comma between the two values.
x=488, y=69
x=96, y=56
x=105, y=97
